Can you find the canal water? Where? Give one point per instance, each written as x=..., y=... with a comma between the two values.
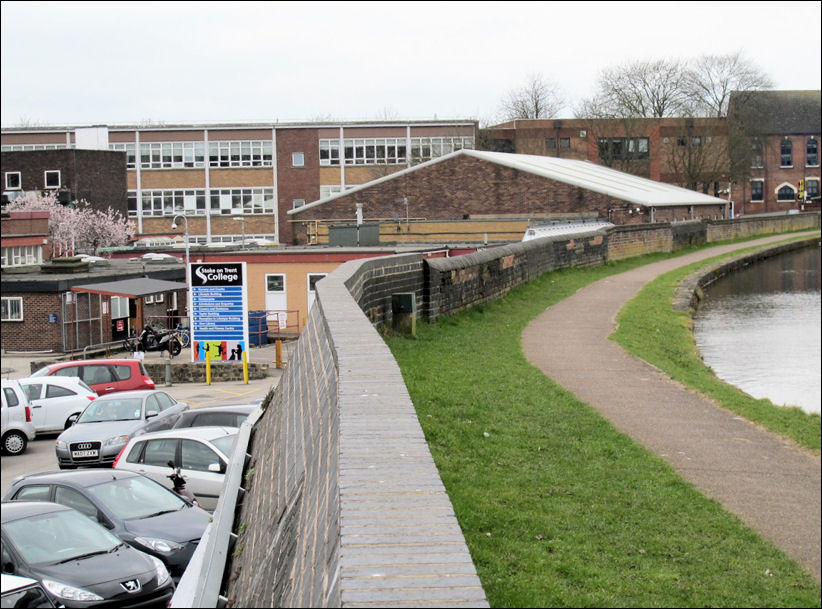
x=759, y=329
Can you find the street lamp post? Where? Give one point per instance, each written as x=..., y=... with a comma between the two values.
x=188, y=282
x=241, y=219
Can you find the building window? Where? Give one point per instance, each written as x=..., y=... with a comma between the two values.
x=246, y=153
x=236, y=201
x=170, y=202
x=171, y=155
x=12, y=309
x=149, y=299
x=13, y=181
x=786, y=153
x=564, y=143
x=18, y=147
x=786, y=192
x=621, y=149
x=756, y=153
x=298, y=203
x=757, y=190
x=131, y=153
x=52, y=179
x=22, y=255
x=551, y=143
x=812, y=189
x=812, y=156
x=297, y=159
x=390, y=150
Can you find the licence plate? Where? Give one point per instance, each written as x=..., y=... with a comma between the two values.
x=79, y=454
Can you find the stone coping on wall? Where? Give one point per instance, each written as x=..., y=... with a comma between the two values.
x=400, y=542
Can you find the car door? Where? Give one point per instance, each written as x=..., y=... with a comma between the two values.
x=170, y=409
x=196, y=458
x=38, y=410
x=99, y=377
x=151, y=457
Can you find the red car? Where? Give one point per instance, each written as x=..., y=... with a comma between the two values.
x=103, y=375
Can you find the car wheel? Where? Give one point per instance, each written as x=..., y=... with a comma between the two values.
x=14, y=442
x=71, y=420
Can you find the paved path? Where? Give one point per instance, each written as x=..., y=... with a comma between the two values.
x=768, y=482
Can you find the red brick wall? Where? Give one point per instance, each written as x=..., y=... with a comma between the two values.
x=19, y=336
x=296, y=182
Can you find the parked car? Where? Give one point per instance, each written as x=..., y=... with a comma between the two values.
x=22, y=592
x=103, y=375
x=202, y=453
x=138, y=510
x=17, y=425
x=78, y=562
x=104, y=428
x=56, y=401
x=228, y=415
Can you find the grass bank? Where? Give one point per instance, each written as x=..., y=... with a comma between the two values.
x=558, y=508
x=650, y=315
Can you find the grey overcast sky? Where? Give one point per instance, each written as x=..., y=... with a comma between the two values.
x=84, y=63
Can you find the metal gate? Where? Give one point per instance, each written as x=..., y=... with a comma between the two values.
x=82, y=320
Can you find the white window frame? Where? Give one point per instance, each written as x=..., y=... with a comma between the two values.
x=148, y=299
x=19, y=180
x=810, y=179
x=780, y=187
x=7, y=300
x=298, y=159
x=298, y=203
x=158, y=298
x=46, y=179
x=21, y=255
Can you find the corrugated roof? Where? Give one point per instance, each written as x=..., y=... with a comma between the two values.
x=584, y=174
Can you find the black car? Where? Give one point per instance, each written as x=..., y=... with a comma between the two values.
x=135, y=508
x=78, y=562
x=229, y=415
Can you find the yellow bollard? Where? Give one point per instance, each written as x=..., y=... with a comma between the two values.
x=278, y=358
x=208, y=364
x=245, y=367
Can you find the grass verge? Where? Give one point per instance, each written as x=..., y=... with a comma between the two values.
x=557, y=507
x=650, y=315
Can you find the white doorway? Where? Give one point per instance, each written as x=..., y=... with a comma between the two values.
x=276, y=298
x=313, y=278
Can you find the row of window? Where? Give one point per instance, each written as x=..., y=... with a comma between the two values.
x=389, y=150
x=21, y=255
x=786, y=192
x=225, y=201
x=188, y=155
x=786, y=153
x=51, y=179
x=623, y=148
x=19, y=147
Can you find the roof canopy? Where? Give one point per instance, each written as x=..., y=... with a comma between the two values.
x=131, y=288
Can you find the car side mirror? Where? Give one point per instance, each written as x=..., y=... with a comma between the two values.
x=8, y=567
x=152, y=413
x=215, y=468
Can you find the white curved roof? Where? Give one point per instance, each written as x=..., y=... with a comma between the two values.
x=599, y=178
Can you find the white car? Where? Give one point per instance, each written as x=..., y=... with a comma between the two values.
x=202, y=453
x=56, y=401
x=18, y=428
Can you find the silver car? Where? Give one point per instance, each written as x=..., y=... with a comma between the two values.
x=18, y=425
x=109, y=422
x=202, y=453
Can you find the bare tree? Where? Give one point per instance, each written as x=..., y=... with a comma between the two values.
x=712, y=78
x=698, y=158
x=537, y=98
x=649, y=89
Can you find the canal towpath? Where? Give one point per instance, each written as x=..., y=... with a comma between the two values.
x=767, y=481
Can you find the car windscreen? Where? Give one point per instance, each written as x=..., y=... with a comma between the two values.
x=58, y=537
x=225, y=444
x=112, y=409
x=136, y=497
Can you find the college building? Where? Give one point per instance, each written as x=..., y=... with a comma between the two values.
x=230, y=181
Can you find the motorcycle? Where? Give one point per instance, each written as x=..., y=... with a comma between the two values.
x=179, y=485
x=150, y=340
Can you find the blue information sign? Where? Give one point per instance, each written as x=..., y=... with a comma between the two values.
x=219, y=310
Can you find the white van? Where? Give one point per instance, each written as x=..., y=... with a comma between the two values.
x=18, y=426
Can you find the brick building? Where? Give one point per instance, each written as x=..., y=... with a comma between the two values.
x=778, y=135
x=472, y=184
x=254, y=172
x=98, y=176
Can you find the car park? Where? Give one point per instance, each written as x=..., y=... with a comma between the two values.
x=104, y=428
x=22, y=592
x=202, y=453
x=78, y=562
x=103, y=375
x=56, y=401
x=136, y=509
x=228, y=415
x=16, y=417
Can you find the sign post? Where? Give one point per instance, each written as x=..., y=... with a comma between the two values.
x=219, y=311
